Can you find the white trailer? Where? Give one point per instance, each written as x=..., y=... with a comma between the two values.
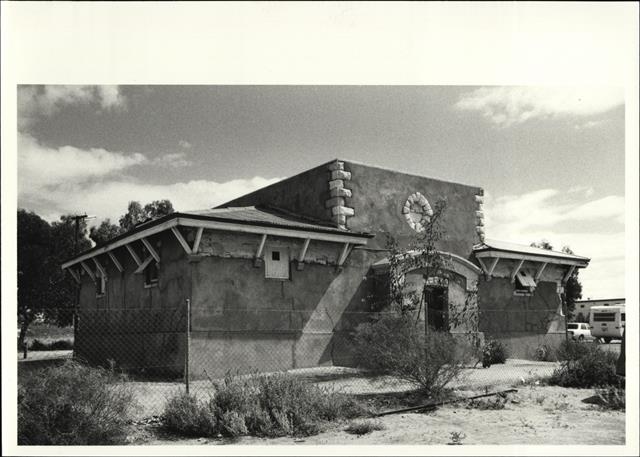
x=607, y=322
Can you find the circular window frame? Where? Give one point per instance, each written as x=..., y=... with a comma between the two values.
x=425, y=211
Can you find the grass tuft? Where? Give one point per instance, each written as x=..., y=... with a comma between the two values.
x=364, y=427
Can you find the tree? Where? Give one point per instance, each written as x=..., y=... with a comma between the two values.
x=136, y=214
x=158, y=208
x=104, y=232
x=34, y=269
x=44, y=290
x=573, y=287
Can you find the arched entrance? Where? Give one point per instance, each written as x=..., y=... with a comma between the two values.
x=441, y=298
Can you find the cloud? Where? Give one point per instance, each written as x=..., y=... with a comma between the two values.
x=173, y=160
x=55, y=181
x=41, y=167
x=184, y=144
x=565, y=219
x=589, y=125
x=506, y=106
x=548, y=207
x=109, y=199
x=44, y=101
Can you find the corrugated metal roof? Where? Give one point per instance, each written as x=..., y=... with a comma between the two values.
x=267, y=216
x=523, y=249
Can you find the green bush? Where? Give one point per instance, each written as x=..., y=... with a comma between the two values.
x=397, y=346
x=73, y=404
x=586, y=367
x=494, y=352
x=261, y=405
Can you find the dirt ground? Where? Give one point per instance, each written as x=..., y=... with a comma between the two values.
x=533, y=415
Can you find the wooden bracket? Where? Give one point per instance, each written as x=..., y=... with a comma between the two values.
x=102, y=271
x=258, y=260
x=115, y=261
x=303, y=253
x=180, y=239
x=88, y=270
x=136, y=259
x=144, y=265
x=539, y=272
x=516, y=270
x=196, y=243
x=150, y=248
x=74, y=275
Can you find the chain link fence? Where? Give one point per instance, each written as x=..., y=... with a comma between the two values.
x=163, y=352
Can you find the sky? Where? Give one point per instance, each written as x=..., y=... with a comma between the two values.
x=550, y=159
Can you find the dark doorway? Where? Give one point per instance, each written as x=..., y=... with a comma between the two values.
x=436, y=306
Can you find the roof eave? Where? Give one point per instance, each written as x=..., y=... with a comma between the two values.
x=216, y=223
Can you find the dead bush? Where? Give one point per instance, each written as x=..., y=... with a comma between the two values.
x=73, y=404
x=397, y=346
x=263, y=405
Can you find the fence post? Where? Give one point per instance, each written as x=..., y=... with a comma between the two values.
x=188, y=347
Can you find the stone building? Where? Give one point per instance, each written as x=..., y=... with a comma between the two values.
x=280, y=277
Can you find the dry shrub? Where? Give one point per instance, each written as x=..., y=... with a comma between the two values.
x=73, y=404
x=612, y=398
x=265, y=405
x=588, y=366
x=494, y=352
x=364, y=427
x=191, y=417
x=397, y=346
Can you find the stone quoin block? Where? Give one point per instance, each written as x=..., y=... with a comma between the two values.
x=480, y=192
x=340, y=174
x=480, y=230
x=479, y=215
x=340, y=219
x=335, y=201
x=340, y=192
x=342, y=210
x=336, y=184
x=479, y=199
x=337, y=165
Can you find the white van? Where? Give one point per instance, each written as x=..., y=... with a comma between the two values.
x=607, y=322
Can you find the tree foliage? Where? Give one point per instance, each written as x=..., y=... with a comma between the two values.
x=104, y=232
x=44, y=290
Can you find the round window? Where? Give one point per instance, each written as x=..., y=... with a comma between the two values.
x=417, y=211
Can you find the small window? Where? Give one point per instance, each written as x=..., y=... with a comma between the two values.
x=151, y=274
x=525, y=284
x=277, y=264
x=623, y=316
